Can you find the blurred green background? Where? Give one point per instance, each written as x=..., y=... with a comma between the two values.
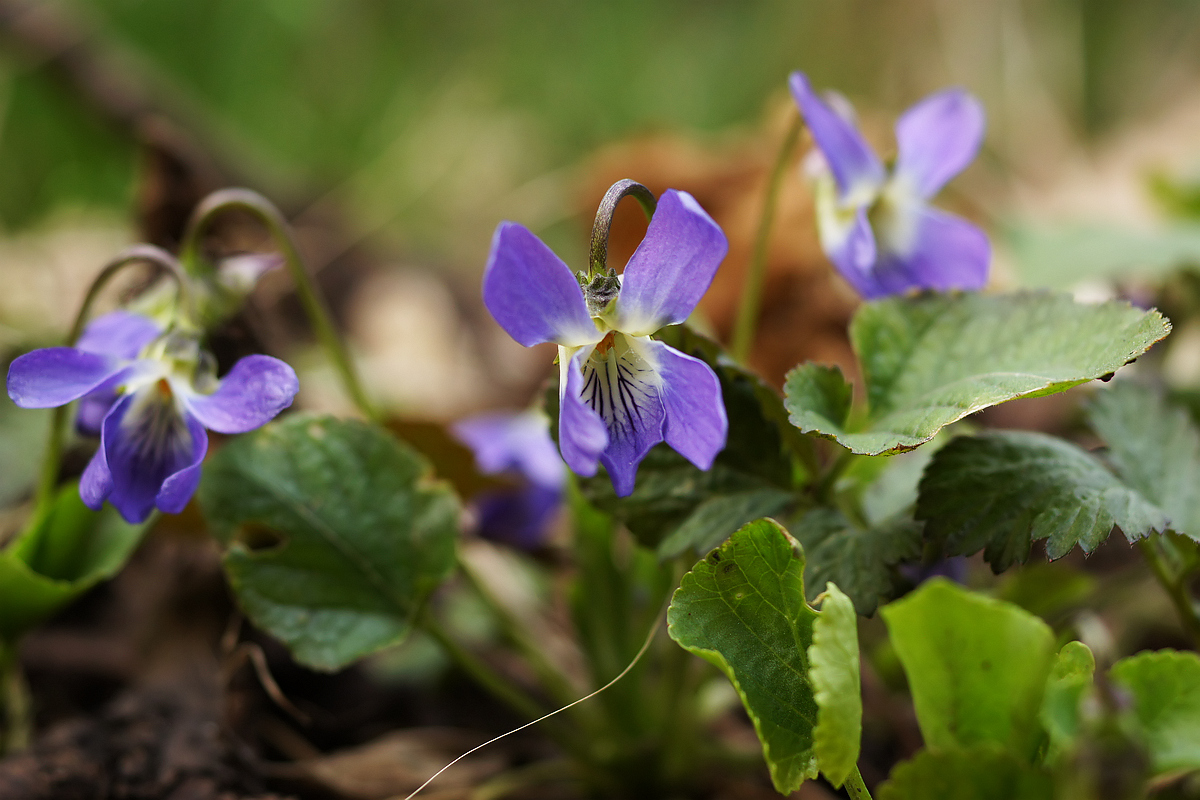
x=413, y=119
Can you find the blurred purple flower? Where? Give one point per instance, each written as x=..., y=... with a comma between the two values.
x=519, y=445
x=620, y=392
x=152, y=438
x=121, y=335
x=878, y=228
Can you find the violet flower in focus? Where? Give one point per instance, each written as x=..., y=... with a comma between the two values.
x=620, y=392
x=516, y=444
x=878, y=227
x=153, y=437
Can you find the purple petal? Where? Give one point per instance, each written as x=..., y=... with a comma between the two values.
x=146, y=442
x=255, y=390
x=520, y=518
x=582, y=435
x=937, y=251
x=513, y=441
x=672, y=267
x=623, y=388
x=938, y=137
x=691, y=396
x=97, y=482
x=179, y=487
x=532, y=293
x=55, y=376
x=92, y=410
x=855, y=254
x=855, y=166
x=118, y=333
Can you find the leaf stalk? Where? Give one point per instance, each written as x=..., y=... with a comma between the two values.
x=752, y=289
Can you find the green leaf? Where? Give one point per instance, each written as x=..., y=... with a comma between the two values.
x=977, y=667
x=979, y=773
x=1070, y=678
x=761, y=454
x=66, y=553
x=1154, y=447
x=358, y=534
x=1002, y=490
x=858, y=559
x=931, y=360
x=717, y=516
x=1166, y=706
x=822, y=396
x=742, y=609
x=835, y=678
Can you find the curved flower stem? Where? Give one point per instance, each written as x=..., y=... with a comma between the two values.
x=747, y=318
x=1176, y=588
x=598, y=261
x=16, y=721
x=855, y=786
x=272, y=219
x=141, y=253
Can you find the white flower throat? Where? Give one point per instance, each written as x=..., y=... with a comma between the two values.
x=620, y=383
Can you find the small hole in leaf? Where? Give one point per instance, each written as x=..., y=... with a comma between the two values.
x=256, y=537
x=714, y=557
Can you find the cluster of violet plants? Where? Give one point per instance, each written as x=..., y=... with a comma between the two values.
x=806, y=511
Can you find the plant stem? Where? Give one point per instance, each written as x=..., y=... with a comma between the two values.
x=16, y=719
x=856, y=788
x=747, y=319
x=554, y=681
x=1176, y=589
x=265, y=212
x=480, y=672
x=598, y=259
x=145, y=253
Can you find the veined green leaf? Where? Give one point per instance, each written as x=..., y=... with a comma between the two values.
x=358, y=534
x=1155, y=448
x=856, y=558
x=742, y=608
x=1002, y=490
x=931, y=360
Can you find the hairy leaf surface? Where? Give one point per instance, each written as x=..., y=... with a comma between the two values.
x=1155, y=448
x=1001, y=491
x=857, y=559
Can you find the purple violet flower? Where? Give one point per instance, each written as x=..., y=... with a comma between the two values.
x=152, y=438
x=620, y=392
x=119, y=334
x=516, y=444
x=878, y=228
